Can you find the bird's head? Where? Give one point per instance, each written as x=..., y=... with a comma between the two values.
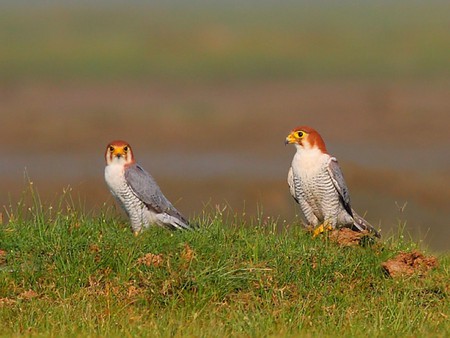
x=119, y=152
x=305, y=137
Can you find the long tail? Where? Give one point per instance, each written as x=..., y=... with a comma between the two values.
x=362, y=225
x=174, y=223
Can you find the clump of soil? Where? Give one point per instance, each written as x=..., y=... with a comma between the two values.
x=29, y=294
x=151, y=260
x=409, y=263
x=188, y=254
x=2, y=256
x=348, y=237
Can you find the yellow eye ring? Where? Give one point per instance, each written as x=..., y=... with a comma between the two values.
x=111, y=148
x=125, y=149
x=300, y=134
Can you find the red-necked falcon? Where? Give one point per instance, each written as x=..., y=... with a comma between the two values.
x=137, y=192
x=317, y=184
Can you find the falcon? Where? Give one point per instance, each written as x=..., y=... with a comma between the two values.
x=317, y=184
x=137, y=192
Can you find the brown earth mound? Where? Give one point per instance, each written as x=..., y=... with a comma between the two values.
x=347, y=237
x=409, y=263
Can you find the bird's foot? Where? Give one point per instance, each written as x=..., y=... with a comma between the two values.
x=321, y=229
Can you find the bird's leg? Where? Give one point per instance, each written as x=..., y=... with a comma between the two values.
x=325, y=226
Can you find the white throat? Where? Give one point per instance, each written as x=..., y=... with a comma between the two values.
x=114, y=174
x=308, y=160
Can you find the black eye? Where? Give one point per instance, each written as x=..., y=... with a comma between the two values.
x=125, y=148
x=111, y=148
x=300, y=134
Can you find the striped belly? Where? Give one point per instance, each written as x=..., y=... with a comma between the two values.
x=319, y=192
x=136, y=210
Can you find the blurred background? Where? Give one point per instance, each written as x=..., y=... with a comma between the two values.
x=206, y=92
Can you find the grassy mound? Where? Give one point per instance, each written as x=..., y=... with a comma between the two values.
x=65, y=273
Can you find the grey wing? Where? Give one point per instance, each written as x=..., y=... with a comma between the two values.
x=148, y=191
x=339, y=183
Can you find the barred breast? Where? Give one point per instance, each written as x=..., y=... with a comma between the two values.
x=136, y=210
x=319, y=192
x=315, y=189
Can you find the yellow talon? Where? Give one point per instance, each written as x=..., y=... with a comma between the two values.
x=321, y=229
x=317, y=231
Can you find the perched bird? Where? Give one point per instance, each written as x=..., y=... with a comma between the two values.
x=317, y=184
x=137, y=192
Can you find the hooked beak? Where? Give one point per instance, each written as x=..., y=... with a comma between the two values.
x=118, y=152
x=290, y=139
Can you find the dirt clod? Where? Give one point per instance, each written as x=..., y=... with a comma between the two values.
x=151, y=260
x=347, y=237
x=188, y=254
x=2, y=256
x=409, y=263
x=29, y=294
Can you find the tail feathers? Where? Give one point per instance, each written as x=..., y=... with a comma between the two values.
x=362, y=225
x=172, y=222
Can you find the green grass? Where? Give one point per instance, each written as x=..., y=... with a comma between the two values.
x=225, y=279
